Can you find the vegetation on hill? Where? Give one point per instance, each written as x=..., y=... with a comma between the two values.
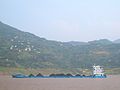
x=25, y=50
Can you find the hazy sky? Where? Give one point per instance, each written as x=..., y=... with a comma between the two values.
x=64, y=20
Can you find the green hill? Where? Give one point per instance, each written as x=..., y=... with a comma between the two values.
x=23, y=49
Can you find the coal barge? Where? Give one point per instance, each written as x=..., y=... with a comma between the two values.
x=97, y=73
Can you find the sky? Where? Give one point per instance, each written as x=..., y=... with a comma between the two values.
x=64, y=20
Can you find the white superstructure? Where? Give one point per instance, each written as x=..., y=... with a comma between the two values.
x=98, y=70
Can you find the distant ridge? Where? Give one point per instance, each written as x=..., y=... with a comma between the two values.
x=117, y=41
x=101, y=41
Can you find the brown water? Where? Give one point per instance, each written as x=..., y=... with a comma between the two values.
x=110, y=83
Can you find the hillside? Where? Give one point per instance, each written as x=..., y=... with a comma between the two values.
x=23, y=49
